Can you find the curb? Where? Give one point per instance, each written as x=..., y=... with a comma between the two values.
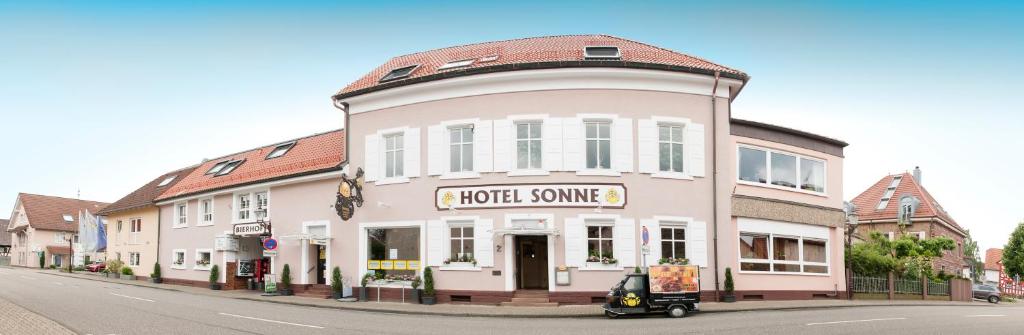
x=515, y=316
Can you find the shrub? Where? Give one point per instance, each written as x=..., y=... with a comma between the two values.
x=156, y=271
x=366, y=279
x=336, y=280
x=127, y=271
x=80, y=268
x=42, y=261
x=637, y=270
x=52, y=266
x=428, y=282
x=729, y=286
x=214, y=274
x=115, y=266
x=416, y=281
x=286, y=277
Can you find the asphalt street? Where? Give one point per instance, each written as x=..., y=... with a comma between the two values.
x=92, y=307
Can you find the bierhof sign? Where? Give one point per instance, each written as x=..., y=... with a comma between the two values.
x=243, y=229
x=569, y=195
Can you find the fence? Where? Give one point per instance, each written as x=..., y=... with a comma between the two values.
x=862, y=284
x=891, y=287
x=909, y=286
x=941, y=289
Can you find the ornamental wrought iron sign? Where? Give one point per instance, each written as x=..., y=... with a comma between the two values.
x=350, y=195
x=563, y=195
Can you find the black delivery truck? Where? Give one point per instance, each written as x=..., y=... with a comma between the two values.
x=672, y=289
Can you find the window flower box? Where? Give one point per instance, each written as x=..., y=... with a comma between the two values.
x=673, y=261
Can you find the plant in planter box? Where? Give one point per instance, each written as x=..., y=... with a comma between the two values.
x=336, y=283
x=729, y=287
x=674, y=261
x=155, y=276
x=415, y=283
x=115, y=266
x=429, y=297
x=214, y=276
x=362, y=287
x=126, y=273
x=286, y=281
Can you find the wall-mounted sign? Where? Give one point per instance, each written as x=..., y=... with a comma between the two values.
x=349, y=195
x=568, y=195
x=244, y=229
x=225, y=243
x=269, y=244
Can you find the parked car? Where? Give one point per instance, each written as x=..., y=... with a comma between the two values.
x=96, y=267
x=987, y=292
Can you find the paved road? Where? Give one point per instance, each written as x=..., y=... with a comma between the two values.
x=92, y=307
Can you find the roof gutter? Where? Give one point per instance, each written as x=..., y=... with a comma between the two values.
x=714, y=177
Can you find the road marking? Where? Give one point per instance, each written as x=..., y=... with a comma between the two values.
x=131, y=297
x=985, y=315
x=273, y=321
x=853, y=321
x=58, y=283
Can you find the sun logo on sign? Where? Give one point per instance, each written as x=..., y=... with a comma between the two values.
x=447, y=199
x=612, y=197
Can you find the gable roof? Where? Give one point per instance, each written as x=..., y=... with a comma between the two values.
x=992, y=258
x=867, y=202
x=316, y=153
x=145, y=195
x=47, y=212
x=533, y=53
x=5, y=239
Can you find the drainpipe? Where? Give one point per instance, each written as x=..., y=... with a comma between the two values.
x=714, y=177
x=343, y=106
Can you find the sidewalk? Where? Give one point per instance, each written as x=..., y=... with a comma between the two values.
x=18, y=320
x=572, y=311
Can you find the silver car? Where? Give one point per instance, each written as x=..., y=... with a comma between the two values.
x=987, y=292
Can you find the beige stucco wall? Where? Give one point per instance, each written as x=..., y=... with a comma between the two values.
x=145, y=244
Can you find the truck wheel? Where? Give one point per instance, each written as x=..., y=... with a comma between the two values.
x=993, y=299
x=676, y=312
x=610, y=315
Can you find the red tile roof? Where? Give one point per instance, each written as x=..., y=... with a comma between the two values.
x=145, y=195
x=992, y=258
x=316, y=153
x=47, y=212
x=867, y=202
x=533, y=53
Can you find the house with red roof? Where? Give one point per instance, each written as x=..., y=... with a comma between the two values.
x=41, y=226
x=220, y=212
x=901, y=199
x=993, y=265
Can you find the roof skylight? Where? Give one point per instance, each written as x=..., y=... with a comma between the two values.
x=457, y=64
x=280, y=150
x=230, y=166
x=601, y=52
x=68, y=218
x=166, y=181
x=889, y=193
x=399, y=73
x=489, y=58
x=217, y=167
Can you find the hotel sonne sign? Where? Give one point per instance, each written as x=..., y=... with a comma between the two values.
x=568, y=195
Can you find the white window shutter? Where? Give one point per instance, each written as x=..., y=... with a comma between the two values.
x=697, y=243
x=654, y=233
x=695, y=149
x=647, y=145
x=625, y=242
x=572, y=144
x=552, y=144
x=502, y=145
x=412, y=153
x=622, y=145
x=372, y=157
x=436, y=149
x=483, y=151
x=575, y=242
x=435, y=242
x=483, y=244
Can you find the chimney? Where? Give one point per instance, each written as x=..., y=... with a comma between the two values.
x=917, y=174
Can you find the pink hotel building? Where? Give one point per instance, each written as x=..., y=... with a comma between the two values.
x=547, y=165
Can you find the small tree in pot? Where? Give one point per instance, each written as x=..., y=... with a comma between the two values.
x=729, y=296
x=155, y=276
x=429, y=297
x=214, y=277
x=362, y=287
x=416, y=289
x=286, y=281
x=126, y=273
x=336, y=284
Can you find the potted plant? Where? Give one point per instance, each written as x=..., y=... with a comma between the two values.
x=429, y=297
x=336, y=284
x=214, y=276
x=286, y=281
x=127, y=274
x=362, y=287
x=155, y=276
x=115, y=267
x=416, y=289
x=637, y=270
x=729, y=296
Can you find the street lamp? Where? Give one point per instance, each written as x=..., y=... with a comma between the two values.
x=261, y=214
x=850, y=229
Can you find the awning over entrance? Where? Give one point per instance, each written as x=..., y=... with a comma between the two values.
x=314, y=239
x=58, y=250
x=526, y=231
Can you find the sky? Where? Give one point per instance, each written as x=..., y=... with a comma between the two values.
x=98, y=98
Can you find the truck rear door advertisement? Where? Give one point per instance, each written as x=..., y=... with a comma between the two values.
x=674, y=279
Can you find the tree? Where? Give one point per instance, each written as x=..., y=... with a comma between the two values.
x=972, y=254
x=1013, y=252
x=907, y=256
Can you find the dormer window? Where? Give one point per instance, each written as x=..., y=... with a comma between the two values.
x=457, y=64
x=280, y=150
x=399, y=73
x=166, y=181
x=601, y=52
x=69, y=218
x=230, y=166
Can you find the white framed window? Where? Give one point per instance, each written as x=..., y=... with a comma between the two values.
x=135, y=228
x=673, y=241
x=246, y=204
x=243, y=202
x=178, y=259
x=670, y=148
x=460, y=247
x=59, y=238
x=529, y=141
x=394, y=151
x=205, y=212
x=598, y=140
x=134, y=259
x=204, y=259
x=772, y=253
x=781, y=170
x=460, y=152
x=600, y=240
x=180, y=215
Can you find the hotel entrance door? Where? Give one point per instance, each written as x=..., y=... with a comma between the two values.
x=531, y=262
